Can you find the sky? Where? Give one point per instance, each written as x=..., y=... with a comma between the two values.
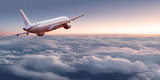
x=101, y=16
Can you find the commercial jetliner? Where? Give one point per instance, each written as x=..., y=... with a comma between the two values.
x=40, y=28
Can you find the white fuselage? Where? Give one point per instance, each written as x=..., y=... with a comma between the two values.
x=45, y=26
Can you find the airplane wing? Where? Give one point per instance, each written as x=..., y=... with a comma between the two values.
x=68, y=21
x=16, y=34
x=65, y=22
x=74, y=18
x=22, y=33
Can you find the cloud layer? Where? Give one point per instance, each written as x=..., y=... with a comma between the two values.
x=88, y=57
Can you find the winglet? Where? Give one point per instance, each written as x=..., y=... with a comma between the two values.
x=25, y=19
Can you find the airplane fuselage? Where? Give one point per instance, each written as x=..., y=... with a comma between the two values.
x=41, y=27
x=45, y=26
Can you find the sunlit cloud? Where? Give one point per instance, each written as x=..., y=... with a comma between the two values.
x=59, y=57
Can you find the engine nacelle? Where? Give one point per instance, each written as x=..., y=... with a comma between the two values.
x=68, y=26
x=40, y=34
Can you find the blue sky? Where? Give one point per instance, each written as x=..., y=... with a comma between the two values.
x=101, y=17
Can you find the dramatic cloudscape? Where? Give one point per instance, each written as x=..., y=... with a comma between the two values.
x=77, y=57
x=84, y=52
x=101, y=17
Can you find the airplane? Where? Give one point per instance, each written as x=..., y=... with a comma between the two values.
x=40, y=28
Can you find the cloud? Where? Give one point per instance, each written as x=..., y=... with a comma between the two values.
x=144, y=55
x=109, y=65
x=5, y=61
x=41, y=62
x=20, y=71
x=60, y=57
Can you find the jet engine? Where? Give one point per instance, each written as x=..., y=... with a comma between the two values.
x=67, y=26
x=40, y=34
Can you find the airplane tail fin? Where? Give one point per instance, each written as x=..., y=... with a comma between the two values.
x=25, y=19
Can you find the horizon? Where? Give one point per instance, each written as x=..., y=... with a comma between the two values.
x=107, y=35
